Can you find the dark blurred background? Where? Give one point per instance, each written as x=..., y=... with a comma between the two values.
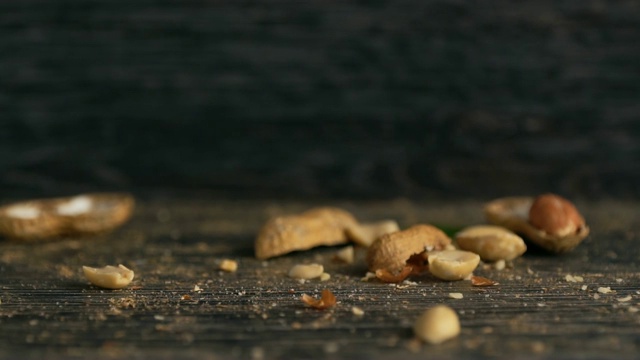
x=320, y=99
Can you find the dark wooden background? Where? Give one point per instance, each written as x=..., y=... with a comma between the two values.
x=413, y=110
x=320, y=98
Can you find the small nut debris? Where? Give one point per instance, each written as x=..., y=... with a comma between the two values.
x=500, y=265
x=482, y=281
x=625, y=299
x=327, y=300
x=315, y=227
x=491, y=242
x=306, y=272
x=325, y=276
x=553, y=224
x=228, y=265
x=385, y=276
x=345, y=255
x=437, y=325
x=604, y=290
x=109, y=277
x=368, y=276
x=357, y=311
x=571, y=278
x=365, y=234
x=392, y=251
x=456, y=295
x=452, y=264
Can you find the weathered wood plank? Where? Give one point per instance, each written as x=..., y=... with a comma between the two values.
x=47, y=308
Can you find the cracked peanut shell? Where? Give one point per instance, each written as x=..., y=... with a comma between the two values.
x=44, y=219
x=325, y=226
x=391, y=251
x=513, y=213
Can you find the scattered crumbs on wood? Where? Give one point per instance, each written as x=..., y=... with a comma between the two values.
x=605, y=290
x=625, y=299
x=456, y=295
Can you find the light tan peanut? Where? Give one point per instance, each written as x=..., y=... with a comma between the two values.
x=316, y=227
x=366, y=234
x=452, y=264
x=109, y=277
x=392, y=251
x=491, y=242
x=553, y=224
x=437, y=325
x=310, y=271
x=228, y=265
x=345, y=255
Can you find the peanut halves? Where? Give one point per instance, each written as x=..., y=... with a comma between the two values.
x=109, y=277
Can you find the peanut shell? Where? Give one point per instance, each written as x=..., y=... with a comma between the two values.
x=391, y=251
x=513, y=214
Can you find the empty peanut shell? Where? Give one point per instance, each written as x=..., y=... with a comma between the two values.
x=316, y=227
x=43, y=219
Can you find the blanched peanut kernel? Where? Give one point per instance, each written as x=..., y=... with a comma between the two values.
x=109, y=277
x=306, y=272
x=366, y=234
x=452, y=264
x=228, y=265
x=437, y=325
x=345, y=255
x=492, y=243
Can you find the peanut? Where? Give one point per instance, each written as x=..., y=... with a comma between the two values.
x=391, y=251
x=315, y=227
x=109, y=277
x=555, y=215
x=306, y=272
x=437, y=325
x=345, y=255
x=366, y=234
x=228, y=265
x=492, y=243
x=452, y=264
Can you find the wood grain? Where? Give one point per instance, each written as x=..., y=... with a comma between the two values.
x=48, y=309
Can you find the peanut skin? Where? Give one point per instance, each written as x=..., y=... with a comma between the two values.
x=555, y=215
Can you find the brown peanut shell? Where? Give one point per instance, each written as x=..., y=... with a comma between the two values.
x=513, y=214
x=391, y=251
x=316, y=227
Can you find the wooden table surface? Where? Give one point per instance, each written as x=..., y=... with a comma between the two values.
x=174, y=244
